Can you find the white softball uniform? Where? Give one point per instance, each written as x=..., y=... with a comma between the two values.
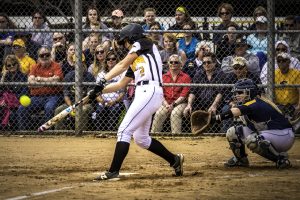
x=147, y=69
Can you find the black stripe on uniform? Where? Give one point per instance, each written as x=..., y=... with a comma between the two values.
x=149, y=61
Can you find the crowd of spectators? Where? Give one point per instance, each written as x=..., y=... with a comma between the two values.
x=44, y=57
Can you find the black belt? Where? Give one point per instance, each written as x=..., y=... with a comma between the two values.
x=146, y=83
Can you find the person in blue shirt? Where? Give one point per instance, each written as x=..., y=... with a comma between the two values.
x=265, y=130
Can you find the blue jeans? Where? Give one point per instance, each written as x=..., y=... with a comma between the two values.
x=38, y=103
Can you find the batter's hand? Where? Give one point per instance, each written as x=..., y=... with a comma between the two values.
x=97, y=89
x=187, y=111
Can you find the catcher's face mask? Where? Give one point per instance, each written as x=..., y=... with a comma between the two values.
x=241, y=96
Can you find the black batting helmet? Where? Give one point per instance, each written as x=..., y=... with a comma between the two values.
x=132, y=32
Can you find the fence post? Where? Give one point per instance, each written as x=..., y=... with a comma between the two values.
x=271, y=49
x=78, y=66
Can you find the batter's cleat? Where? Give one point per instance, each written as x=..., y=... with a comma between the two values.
x=178, y=165
x=234, y=162
x=283, y=164
x=107, y=176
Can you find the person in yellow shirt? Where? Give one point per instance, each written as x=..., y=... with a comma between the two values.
x=287, y=96
x=25, y=60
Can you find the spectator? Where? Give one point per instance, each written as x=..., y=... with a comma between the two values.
x=156, y=38
x=99, y=61
x=258, y=11
x=10, y=94
x=6, y=38
x=226, y=46
x=258, y=41
x=181, y=16
x=93, y=21
x=207, y=98
x=59, y=47
x=292, y=39
x=31, y=47
x=149, y=18
x=175, y=97
x=284, y=75
x=117, y=17
x=170, y=48
x=109, y=105
x=240, y=71
x=40, y=38
x=187, y=44
x=281, y=47
x=68, y=63
x=225, y=12
x=44, y=98
x=192, y=67
x=240, y=50
x=89, y=53
x=26, y=61
x=69, y=98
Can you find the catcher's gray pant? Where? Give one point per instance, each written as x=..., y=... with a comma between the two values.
x=137, y=121
x=281, y=140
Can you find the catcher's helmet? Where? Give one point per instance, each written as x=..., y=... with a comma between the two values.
x=247, y=87
x=131, y=32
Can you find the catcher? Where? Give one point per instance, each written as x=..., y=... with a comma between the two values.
x=265, y=131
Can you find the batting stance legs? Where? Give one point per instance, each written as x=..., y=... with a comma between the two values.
x=136, y=123
x=267, y=144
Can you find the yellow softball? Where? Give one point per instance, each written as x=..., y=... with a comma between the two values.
x=73, y=113
x=25, y=100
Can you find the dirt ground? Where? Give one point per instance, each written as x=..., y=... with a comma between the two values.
x=63, y=168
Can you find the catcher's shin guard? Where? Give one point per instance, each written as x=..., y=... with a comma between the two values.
x=233, y=136
x=257, y=144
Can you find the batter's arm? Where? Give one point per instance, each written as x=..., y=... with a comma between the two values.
x=117, y=85
x=121, y=66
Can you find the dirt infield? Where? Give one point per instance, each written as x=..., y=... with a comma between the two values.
x=63, y=167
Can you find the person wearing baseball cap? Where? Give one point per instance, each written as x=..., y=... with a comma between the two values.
x=19, y=49
x=117, y=18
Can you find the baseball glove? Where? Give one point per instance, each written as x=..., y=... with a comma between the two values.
x=200, y=121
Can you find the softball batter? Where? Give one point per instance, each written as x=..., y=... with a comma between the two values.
x=146, y=70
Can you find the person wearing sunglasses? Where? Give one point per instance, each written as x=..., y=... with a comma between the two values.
x=241, y=50
x=109, y=105
x=287, y=97
x=99, y=60
x=225, y=12
x=39, y=21
x=10, y=94
x=258, y=11
x=207, y=98
x=281, y=46
x=43, y=98
x=58, y=51
x=19, y=49
x=175, y=98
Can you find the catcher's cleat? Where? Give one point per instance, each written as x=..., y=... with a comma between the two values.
x=107, y=176
x=234, y=162
x=178, y=165
x=283, y=164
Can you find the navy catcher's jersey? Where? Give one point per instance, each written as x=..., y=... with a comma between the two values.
x=261, y=115
x=148, y=65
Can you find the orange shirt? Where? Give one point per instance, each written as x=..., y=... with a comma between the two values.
x=38, y=70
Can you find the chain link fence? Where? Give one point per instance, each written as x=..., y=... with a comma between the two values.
x=54, y=51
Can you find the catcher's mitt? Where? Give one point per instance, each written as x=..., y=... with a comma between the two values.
x=200, y=121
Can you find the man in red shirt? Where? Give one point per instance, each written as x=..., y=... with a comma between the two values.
x=45, y=98
x=175, y=97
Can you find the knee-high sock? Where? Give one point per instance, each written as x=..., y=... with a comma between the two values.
x=121, y=151
x=157, y=148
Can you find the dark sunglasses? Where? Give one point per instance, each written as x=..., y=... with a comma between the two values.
x=240, y=45
x=281, y=49
x=116, y=17
x=174, y=62
x=45, y=55
x=11, y=65
x=17, y=47
x=57, y=38
x=207, y=62
x=238, y=67
x=282, y=60
x=289, y=25
x=37, y=18
x=99, y=52
x=224, y=13
x=111, y=59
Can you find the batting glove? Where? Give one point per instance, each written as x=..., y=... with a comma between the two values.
x=97, y=89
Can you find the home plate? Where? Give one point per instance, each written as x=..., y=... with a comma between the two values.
x=122, y=174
